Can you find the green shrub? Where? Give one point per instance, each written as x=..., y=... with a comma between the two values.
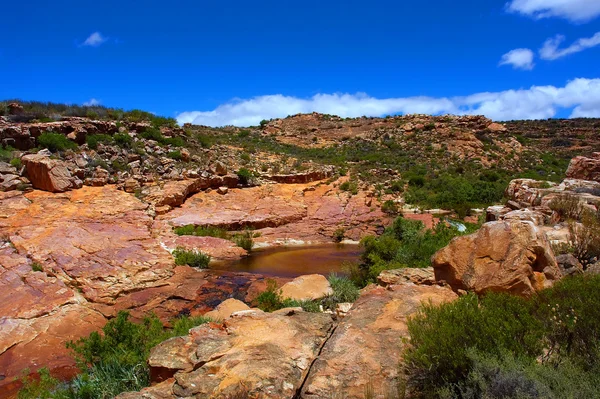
x=37, y=267
x=245, y=176
x=153, y=133
x=175, y=155
x=201, y=231
x=55, y=142
x=92, y=140
x=390, y=207
x=191, y=258
x=6, y=153
x=270, y=299
x=344, y=291
x=404, y=244
x=47, y=387
x=339, y=234
x=350, y=186
x=547, y=346
x=205, y=140
x=441, y=336
x=123, y=140
x=244, y=240
x=16, y=163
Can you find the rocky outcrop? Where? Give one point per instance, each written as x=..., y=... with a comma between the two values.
x=48, y=174
x=424, y=276
x=301, y=178
x=507, y=256
x=284, y=214
x=309, y=287
x=365, y=350
x=585, y=168
x=264, y=355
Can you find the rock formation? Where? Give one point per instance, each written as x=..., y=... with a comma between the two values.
x=585, y=168
x=508, y=256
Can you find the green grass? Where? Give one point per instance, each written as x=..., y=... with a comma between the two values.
x=244, y=240
x=191, y=258
x=202, y=231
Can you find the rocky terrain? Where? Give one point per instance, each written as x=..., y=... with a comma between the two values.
x=87, y=230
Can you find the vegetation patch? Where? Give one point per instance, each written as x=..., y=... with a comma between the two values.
x=191, y=258
x=55, y=142
x=112, y=362
x=404, y=244
x=502, y=346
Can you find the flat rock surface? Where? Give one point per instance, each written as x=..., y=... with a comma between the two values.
x=266, y=354
x=364, y=351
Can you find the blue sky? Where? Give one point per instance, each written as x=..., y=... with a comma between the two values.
x=237, y=62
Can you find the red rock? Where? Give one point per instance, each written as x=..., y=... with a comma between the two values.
x=47, y=174
x=365, y=349
x=584, y=168
x=510, y=256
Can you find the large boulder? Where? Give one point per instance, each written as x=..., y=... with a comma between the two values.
x=506, y=256
x=226, y=309
x=47, y=174
x=313, y=286
x=585, y=168
x=268, y=355
x=365, y=350
x=419, y=276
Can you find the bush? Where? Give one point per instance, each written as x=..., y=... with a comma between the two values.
x=244, y=240
x=16, y=163
x=339, y=234
x=37, y=267
x=441, y=336
x=584, y=238
x=245, y=176
x=270, y=300
x=567, y=206
x=344, y=291
x=191, y=258
x=123, y=140
x=499, y=346
x=390, y=207
x=55, y=142
x=404, y=244
x=92, y=140
x=175, y=155
x=350, y=186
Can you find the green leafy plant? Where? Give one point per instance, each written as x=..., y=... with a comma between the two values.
x=191, y=258
x=245, y=176
x=55, y=142
x=244, y=240
x=93, y=140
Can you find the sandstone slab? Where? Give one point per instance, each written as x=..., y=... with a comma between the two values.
x=309, y=287
x=365, y=349
x=226, y=309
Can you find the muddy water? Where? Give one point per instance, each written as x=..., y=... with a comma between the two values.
x=295, y=261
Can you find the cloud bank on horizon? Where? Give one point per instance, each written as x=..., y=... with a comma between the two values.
x=580, y=96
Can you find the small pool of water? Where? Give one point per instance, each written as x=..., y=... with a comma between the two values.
x=295, y=261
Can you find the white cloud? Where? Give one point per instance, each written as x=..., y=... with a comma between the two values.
x=573, y=10
x=520, y=58
x=551, y=51
x=91, y=102
x=537, y=102
x=94, y=40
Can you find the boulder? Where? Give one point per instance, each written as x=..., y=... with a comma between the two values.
x=226, y=309
x=47, y=174
x=585, y=168
x=569, y=265
x=267, y=355
x=507, y=256
x=309, y=287
x=365, y=350
x=417, y=276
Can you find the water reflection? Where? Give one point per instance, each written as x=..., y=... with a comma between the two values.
x=295, y=261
